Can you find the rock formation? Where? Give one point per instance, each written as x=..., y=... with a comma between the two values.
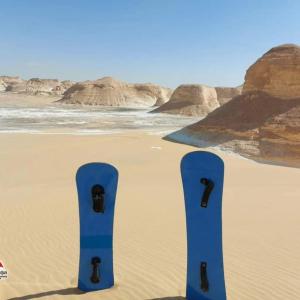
x=281, y=137
x=2, y=86
x=191, y=100
x=111, y=92
x=277, y=73
x=36, y=86
x=257, y=123
x=14, y=83
x=225, y=94
x=161, y=94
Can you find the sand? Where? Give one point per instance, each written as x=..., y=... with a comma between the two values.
x=10, y=99
x=39, y=223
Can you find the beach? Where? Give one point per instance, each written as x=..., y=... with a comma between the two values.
x=39, y=224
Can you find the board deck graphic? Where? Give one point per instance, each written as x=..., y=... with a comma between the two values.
x=96, y=187
x=202, y=177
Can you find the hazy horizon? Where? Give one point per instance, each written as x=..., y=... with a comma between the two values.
x=163, y=42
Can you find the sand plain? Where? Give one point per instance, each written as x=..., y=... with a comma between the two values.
x=39, y=225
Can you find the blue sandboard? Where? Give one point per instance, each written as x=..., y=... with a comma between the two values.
x=202, y=176
x=96, y=186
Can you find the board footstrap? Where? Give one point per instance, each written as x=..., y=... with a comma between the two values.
x=204, y=284
x=209, y=186
x=98, y=198
x=95, y=278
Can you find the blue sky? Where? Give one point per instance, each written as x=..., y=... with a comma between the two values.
x=168, y=42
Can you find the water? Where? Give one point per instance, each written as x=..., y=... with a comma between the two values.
x=87, y=120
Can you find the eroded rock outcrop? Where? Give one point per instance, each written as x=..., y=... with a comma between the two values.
x=277, y=73
x=14, y=84
x=264, y=122
x=111, y=92
x=191, y=100
x=281, y=137
x=2, y=86
x=35, y=86
x=225, y=94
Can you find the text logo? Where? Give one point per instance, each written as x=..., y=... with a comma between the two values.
x=3, y=272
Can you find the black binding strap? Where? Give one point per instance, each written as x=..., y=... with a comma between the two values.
x=95, y=278
x=203, y=277
x=209, y=185
x=98, y=198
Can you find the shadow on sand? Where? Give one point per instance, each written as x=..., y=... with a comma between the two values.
x=62, y=292
x=75, y=291
x=169, y=298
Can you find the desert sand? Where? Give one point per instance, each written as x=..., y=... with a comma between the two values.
x=39, y=226
x=9, y=99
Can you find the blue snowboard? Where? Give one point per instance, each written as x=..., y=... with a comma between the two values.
x=96, y=186
x=202, y=176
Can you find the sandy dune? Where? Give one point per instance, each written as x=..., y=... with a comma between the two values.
x=39, y=220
